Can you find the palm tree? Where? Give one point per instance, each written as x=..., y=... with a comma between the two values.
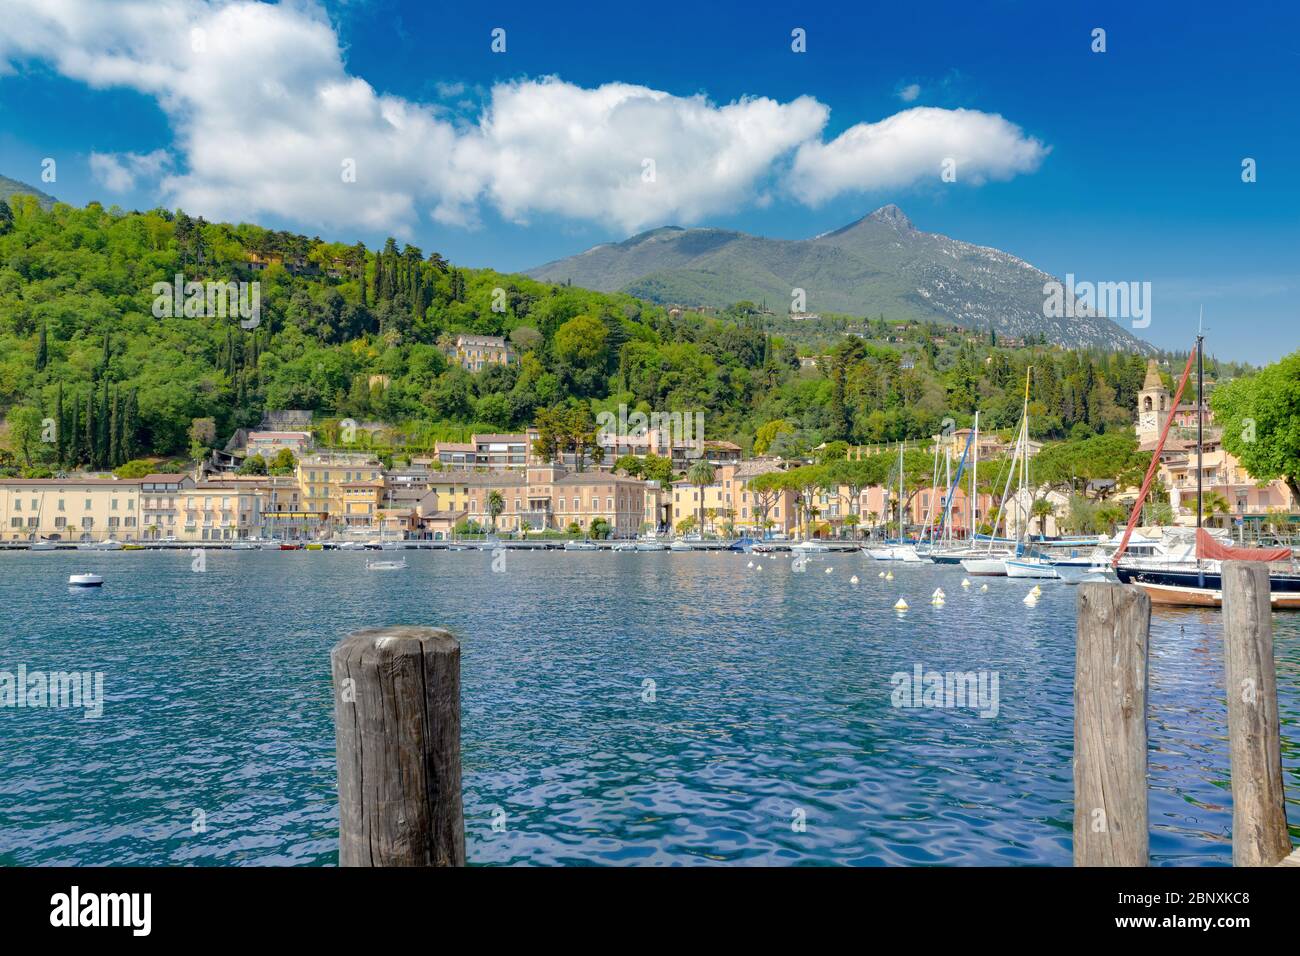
x=701, y=475
x=495, y=505
x=1042, y=509
x=1213, y=503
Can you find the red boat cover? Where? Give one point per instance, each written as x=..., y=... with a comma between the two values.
x=1211, y=550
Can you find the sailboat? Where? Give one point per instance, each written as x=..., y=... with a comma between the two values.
x=900, y=551
x=949, y=553
x=1197, y=580
x=994, y=563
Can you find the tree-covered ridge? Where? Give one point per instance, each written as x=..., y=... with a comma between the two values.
x=350, y=332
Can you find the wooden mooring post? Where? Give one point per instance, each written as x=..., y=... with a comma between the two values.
x=1259, y=833
x=1110, y=726
x=1110, y=723
x=397, y=729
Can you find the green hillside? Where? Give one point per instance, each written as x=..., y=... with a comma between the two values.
x=79, y=343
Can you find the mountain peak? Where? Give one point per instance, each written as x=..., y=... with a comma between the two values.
x=891, y=214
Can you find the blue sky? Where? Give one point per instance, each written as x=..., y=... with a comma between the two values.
x=1129, y=165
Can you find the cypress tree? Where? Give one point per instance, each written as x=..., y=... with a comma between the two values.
x=74, y=435
x=60, y=449
x=42, y=351
x=88, y=441
x=115, y=430
x=102, y=434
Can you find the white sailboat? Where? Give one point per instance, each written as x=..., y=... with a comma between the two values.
x=900, y=551
x=994, y=563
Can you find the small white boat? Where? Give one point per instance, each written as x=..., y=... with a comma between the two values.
x=85, y=581
x=811, y=546
x=649, y=544
x=993, y=564
x=243, y=546
x=624, y=546
x=681, y=546
x=271, y=544
x=1029, y=567
x=108, y=544
x=1073, y=574
x=43, y=546
x=896, y=552
x=351, y=546
x=580, y=546
x=399, y=565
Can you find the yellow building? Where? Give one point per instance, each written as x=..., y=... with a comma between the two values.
x=476, y=352
x=730, y=501
x=73, y=509
x=348, y=488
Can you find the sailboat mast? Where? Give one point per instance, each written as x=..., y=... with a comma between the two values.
x=1200, y=420
x=974, y=478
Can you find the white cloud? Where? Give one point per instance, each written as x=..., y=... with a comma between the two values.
x=909, y=93
x=117, y=172
x=621, y=153
x=265, y=115
x=911, y=146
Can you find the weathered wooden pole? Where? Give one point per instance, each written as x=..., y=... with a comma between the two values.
x=397, y=728
x=1110, y=726
x=1259, y=833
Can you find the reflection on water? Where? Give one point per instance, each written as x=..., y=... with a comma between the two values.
x=646, y=708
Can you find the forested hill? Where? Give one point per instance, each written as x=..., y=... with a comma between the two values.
x=347, y=331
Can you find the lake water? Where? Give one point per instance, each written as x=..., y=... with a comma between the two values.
x=767, y=736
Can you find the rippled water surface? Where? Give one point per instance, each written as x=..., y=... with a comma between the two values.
x=767, y=736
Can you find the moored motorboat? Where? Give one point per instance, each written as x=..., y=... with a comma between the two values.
x=896, y=552
x=85, y=580
x=580, y=546
x=1029, y=566
x=990, y=564
x=650, y=544
x=43, y=545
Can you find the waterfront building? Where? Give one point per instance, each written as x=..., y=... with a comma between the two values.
x=729, y=501
x=1221, y=472
x=539, y=498
x=346, y=487
x=70, y=509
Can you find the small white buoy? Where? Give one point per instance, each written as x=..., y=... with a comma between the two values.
x=889, y=576
x=853, y=580
x=758, y=567
x=937, y=601
x=900, y=605
x=829, y=570
x=965, y=583
x=881, y=574
x=938, y=592
x=750, y=565
x=984, y=587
